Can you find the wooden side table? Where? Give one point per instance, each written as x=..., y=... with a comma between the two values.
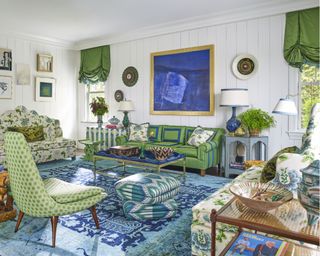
x=249, y=143
x=288, y=221
x=7, y=212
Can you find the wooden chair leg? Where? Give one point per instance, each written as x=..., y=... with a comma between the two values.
x=21, y=214
x=54, y=222
x=94, y=215
x=203, y=172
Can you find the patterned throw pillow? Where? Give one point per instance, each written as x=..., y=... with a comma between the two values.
x=138, y=132
x=199, y=136
x=269, y=170
x=31, y=133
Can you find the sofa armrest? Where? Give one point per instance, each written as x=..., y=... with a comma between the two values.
x=121, y=140
x=214, y=143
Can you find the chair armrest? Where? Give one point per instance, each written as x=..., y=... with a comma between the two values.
x=121, y=140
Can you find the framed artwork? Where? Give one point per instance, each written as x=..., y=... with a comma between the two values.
x=5, y=87
x=5, y=59
x=22, y=74
x=182, y=82
x=45, y=89
x=44, y=63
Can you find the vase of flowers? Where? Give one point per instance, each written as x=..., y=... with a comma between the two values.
x=98, y=108
x=256, y=120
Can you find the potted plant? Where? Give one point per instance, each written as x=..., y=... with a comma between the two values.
x=256, y=120
x=98, y=108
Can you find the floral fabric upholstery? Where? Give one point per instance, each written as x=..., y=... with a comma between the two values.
x=201, y=224
x=200, y=136
x=53, y=147
x=31, y=194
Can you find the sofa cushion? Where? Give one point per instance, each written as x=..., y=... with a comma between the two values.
x=138, y=211
x=188, y=150
x=173, y=134
x=138, y=132
x=189, y=131
x=51, y=144
x=269, y=170
x=162, y=144
x=64, y=192
x=155, y=132
x=31, y=133
x=49, y=132
x=200, y=136
x=147, y=187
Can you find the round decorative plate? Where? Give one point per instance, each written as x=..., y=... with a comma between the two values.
x=240, y=149
x=244, y=66
x=130, y=76
x=118, y=95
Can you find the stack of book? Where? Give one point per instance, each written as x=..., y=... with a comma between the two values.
x=237, y=165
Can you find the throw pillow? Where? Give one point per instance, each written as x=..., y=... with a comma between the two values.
x=49, y=132
x=199, y=136
x=269, y=170
x=31, y=133
x=138, y=132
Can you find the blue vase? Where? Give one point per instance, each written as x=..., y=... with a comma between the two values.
x=233, y=123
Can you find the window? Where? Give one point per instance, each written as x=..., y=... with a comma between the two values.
x=93, y=91
x=309, y=92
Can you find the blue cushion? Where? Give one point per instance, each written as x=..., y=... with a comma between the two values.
x=147, y=188
x=139, y=211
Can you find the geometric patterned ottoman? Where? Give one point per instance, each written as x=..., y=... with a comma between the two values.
x=148, y=195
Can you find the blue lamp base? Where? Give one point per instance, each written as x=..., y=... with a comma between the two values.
x=233, y=123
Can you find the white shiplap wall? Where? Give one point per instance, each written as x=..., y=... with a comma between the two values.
x=262, y=37
x=65, y=66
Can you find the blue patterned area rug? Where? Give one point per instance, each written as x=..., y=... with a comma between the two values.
x=77, y=235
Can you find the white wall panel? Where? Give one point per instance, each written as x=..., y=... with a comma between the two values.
x=262, y=37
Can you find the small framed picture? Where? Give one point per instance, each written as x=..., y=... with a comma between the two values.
x=5, y=87
x=22, y=74
x=44, y=63
x=45, y=89
x=5, y=59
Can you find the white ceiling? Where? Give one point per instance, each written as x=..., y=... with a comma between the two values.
x=82, y=20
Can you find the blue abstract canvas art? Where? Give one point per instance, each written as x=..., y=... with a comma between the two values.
x=182, y=81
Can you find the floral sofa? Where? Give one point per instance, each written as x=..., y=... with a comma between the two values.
x=53, y=147
x=288, y=165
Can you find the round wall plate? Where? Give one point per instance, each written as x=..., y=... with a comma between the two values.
x=244, y=66
x=130, y=76
x=118, y=95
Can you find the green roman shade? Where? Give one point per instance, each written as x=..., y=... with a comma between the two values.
x=301, y=41
x=95, y=65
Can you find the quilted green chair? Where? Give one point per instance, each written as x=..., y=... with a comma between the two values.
x=44, y=198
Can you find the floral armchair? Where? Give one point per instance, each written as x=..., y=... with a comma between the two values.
x=201, y=224
x=53, y=147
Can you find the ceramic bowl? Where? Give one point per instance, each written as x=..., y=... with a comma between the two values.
x=161, y=153
x=261, y=197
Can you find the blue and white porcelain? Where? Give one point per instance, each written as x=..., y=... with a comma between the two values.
x=309, y=191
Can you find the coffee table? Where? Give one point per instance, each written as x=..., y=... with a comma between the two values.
x=288, y=221
x=147, y=162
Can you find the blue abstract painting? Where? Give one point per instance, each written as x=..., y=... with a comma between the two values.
x=183, y=81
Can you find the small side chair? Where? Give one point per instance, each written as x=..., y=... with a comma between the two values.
x=44, y=198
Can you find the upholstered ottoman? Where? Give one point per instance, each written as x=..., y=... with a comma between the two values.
x=148, y=195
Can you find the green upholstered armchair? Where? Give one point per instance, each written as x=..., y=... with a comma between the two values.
x=44, y=198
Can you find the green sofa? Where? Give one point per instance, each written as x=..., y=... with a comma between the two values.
x=203, y=157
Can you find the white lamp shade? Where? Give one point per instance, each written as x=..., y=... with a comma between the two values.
x=285, y=107
x=126, y=105
x=234, y=97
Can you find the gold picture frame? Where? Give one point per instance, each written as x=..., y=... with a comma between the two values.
x=44, y=62
x=182, y=82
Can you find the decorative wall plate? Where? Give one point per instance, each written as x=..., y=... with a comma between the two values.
x=118, y=95
x=130, y=76
x=244, y=66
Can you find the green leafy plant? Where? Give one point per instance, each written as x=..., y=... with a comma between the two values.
x=256, y=119
x=99, y=106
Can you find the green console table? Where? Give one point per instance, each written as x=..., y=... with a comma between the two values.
x=90, y=148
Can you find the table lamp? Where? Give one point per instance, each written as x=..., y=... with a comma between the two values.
x=234, y=97
x=126, y=106
x=285, y=107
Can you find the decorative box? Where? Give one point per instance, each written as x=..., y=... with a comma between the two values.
x=124, y=150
